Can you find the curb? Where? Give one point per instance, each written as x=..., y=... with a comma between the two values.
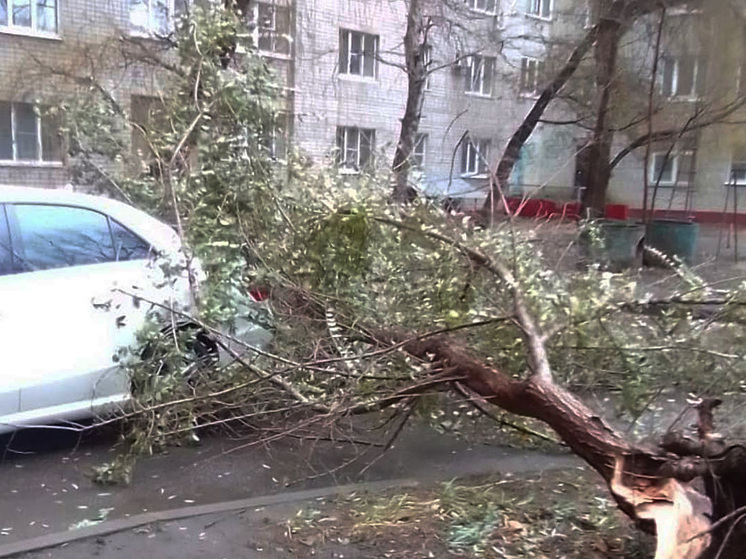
x=129, y=523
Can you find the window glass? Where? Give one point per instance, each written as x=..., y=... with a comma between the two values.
x=6, y=260
x=60, y=236
x=6, y=132
x=22, y=13
x=46, y=16
x=161, y=19
x=27, y=142
x=659, y=171
x=3, y=12
x=127, y=245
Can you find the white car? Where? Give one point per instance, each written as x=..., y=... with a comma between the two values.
x=79, y=275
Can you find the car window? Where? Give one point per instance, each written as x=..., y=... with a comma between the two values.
x=60, y=236
x=6, y=260
x=127, y=245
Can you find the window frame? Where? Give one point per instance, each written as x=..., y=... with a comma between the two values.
x=472, y=5
x=675, y=161
x=538, y=71
x=39, y=161
x=534, y=9
x=481, y=148
x=346, y=54
x=344, y=147
x=478, y=61
x=32, y=30
x=739, y=181
x=15, y=232
x=419, y=151
x=272, y=32
x=149, y=31
x=699, y=64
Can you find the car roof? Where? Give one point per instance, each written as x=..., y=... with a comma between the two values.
x=155, y=232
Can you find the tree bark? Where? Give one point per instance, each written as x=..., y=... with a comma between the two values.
x=599, y=150
x=415, y=43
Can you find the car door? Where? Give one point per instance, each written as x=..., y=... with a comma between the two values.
x=10, y=393
x=59, y=313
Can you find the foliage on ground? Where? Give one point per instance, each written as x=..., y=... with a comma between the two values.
x=553, y=515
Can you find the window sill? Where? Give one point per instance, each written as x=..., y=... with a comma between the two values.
x=354, y=78
x=348, y=171
x=23, y=32
x=480, y=176
x=478, y=95
x=683, y=99
x=543, y=19
x=737, y=183
x=533, y=96
x=149, y=35
x=275, y=55
x=40, y=164
x=483, y=12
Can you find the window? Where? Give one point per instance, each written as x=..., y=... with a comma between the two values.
x=485, y=6
x=418, y=153
x=25, y=136
x=35, y=16
x=274, y=140
x=47, y=237
x=273, y=28
x=479, y=77
x=475, y=156
x=127, y=245
x=676, y=169
x=683, y=76
x=539, y=8
x=6, y=251
x=592, y=12
x=532, y=71
x=357, y=53
x=151, y=17
x=427, y=59
x=355, y=147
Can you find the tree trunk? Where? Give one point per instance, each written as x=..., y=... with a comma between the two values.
x=500, y=178
x=599, y=150
x=415, y=43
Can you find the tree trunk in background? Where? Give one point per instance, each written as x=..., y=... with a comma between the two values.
x=500, y=178
x=599, y=150
x=415, y=43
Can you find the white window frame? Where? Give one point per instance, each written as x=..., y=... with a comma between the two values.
x=342, y=149
x=345, y=37
x=740, y=181
x=538, y=70
x=149, y=31
x=473, y=5
x=11, y=27
x=39, y=161
x=675, y=161
x=534, y=9
x=419, y=151
x=478, y=63
x=427, y=59
x=693, y=95
x=272, y=31
x=480, y=149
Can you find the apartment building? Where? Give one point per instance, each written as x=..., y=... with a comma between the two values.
x=339, y=63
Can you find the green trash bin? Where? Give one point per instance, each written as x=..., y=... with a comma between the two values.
x=675, y=238
x=621, y=245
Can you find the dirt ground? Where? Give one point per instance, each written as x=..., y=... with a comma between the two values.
x=560, y=513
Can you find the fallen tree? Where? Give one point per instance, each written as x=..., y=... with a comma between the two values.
x=355, y=284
